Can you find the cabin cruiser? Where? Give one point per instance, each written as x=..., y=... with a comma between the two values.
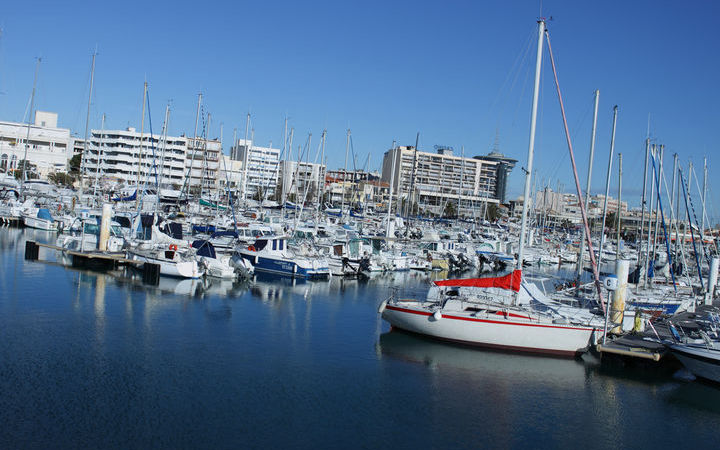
x=271, y=254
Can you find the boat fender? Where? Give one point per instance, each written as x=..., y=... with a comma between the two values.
x=173, y=247
x=382, y=306
x=437, y=315
x=251, y=248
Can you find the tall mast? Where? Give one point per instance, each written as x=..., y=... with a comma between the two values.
x=243, y=186
x=97, y=161
x=342, y=202
x=411, y=193
x=138, y=194
x=203, y=171
x=673, y=202
x=619, y=205
x=531, y=145
x=392, y=183
x=661, y=152
x=589, y=177
x=27, y=138
x=321, y=181
x=87, y=124
x=164, y=135
x=650, y=216
x=607, y=185
x=644, y=202
x=704, y=193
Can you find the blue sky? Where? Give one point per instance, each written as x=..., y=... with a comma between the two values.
x=457, y=72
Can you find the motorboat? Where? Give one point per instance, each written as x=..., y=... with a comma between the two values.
x=40, y=219
x=272, y=255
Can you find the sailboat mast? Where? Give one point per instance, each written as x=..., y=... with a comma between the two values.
x=27, y=138
x=243, y=186
x=619, y=206
x=392, y=183
x=97, y=161
x=607, y=185
x=704, y=193
x=661, y=152
x=644, y=202
x=650, y=216
x=87, y=125
x=589, y=177
x=531, y=145
x=342, y=202
x=138, y=194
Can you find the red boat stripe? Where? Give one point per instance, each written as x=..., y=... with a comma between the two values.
x=469, y=319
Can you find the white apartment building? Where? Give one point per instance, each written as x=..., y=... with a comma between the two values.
x=118, y=155
x=440, y=178
x=47, y=147
x=263, y=167
x=296, y=179
x=230, y=173
x=202, y=161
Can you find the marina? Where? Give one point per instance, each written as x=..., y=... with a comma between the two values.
x=104, y=359
x=242, y=268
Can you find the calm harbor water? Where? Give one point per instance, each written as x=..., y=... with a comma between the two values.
x=101, y=360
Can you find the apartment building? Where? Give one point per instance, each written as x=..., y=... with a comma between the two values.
x=45, y=144
x=432, y=180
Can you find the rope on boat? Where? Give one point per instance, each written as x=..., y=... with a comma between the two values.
x=662, y=217
x=593, y=263
x=692, y=233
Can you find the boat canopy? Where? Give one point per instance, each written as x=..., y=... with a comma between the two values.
x=44, y=213
x=510, y=281
x=204, y=248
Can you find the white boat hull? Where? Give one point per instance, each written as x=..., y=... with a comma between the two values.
x=179, y=269
x=40, y=224
x=508, y=332
x=701, y=361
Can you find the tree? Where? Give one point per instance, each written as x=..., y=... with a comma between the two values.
x=450, y=211
x=74, y=164
x=61, y=179
x=30, y=170
x=259, y=194
x=493, y=212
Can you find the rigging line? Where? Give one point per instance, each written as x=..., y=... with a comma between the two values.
x=662, y=217
x=692, y=233
x=581, y=202
x=674, y=221
x=697, y=223
x=703, y=202
x=515, y=73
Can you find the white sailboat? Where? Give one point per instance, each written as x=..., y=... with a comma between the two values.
x=499, y=312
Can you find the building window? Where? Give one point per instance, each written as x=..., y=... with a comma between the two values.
x=13, y=162
x=4, y=161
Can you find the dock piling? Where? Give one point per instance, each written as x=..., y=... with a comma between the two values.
x=32, y=251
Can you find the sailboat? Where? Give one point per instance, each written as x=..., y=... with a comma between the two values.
x=499, y=312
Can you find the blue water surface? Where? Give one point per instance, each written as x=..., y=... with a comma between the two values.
x=99, y=360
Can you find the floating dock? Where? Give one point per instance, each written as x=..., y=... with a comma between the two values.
x=95, y=259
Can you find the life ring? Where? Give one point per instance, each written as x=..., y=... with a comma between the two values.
x=251, y=248
x=173, y=247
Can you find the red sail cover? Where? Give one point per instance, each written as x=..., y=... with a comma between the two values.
x=509, y=281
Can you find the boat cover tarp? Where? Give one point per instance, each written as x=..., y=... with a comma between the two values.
x=223, y=233
x=174, y=229
x=44, y=213
x=510, y=281
x=204, y=248
x=210, y=204
x=126, y=199
x=203, y=229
